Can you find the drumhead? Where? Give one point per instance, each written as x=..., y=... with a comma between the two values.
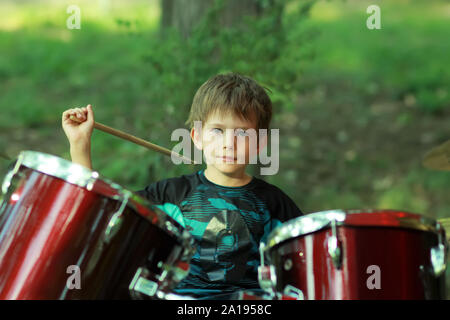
x=314, y=222
x=83, y=177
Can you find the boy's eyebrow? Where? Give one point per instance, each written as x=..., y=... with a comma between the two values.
x=215, y=125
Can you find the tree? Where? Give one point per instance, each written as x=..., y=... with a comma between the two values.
x=185, y=14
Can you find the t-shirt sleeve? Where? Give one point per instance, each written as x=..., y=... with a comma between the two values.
x=282, y=207
x=287, y=209
x=152, y=193
x=165, y=195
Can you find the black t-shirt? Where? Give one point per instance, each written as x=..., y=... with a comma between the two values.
x=227, y=223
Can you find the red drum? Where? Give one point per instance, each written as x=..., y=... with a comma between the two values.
x=356, y=255
x=67, y=234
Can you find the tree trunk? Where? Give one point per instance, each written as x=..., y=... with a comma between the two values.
x=185, y=14
x=167, y=12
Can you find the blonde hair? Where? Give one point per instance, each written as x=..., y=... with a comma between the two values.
x=234, y=93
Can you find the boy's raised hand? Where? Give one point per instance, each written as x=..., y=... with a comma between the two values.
x=80, y=131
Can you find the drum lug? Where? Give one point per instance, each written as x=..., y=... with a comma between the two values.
x=10, y=175
x=140, y=284
x=438, y=255
x=7, y=181
x=335, y=246
x=293, y=292
x=5, y=187
x=267, y=278
x=115, y=222
x=156, y=289
x=175, y=272
x=438, y=260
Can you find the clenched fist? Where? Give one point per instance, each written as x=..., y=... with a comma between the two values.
x=78, y=131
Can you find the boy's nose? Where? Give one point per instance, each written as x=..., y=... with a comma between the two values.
x=229, y=139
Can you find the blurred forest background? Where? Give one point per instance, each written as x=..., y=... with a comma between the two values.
x=357, y=109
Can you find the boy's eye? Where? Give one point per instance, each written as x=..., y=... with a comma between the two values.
x=216, y=130
x=241, y=132
x=237, y=132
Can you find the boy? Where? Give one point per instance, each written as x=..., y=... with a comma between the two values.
x=227, y=211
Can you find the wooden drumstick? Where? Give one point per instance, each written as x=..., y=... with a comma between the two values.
x=134, y=139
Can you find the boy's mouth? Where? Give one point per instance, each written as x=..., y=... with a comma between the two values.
x=227, y=159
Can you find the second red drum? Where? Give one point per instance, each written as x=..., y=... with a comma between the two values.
x=361, y=255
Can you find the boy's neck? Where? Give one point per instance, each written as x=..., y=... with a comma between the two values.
x=236, y=179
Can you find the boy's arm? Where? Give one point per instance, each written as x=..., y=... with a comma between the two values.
x=163, y=194
x=79, y=134
x=81, y=154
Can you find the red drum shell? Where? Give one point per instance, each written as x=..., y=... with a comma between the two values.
x=402, y=255
x=48, y=224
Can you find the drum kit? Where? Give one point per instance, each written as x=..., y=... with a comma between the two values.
x=58, y=216
x=68, y=233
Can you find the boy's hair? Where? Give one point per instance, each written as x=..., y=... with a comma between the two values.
x=234, y=93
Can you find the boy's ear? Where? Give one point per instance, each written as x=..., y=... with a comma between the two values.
x=196, y=137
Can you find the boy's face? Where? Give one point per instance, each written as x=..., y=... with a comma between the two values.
x=227, y=141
